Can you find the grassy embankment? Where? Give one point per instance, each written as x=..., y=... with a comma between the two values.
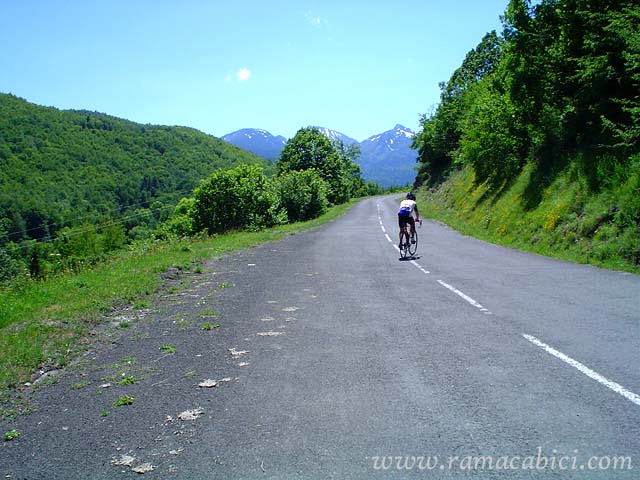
x=48, y=322
x=562, y=220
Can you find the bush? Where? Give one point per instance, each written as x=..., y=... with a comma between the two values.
x=180, y=223
x=9, y=268
x=303, y=194
x=236, y=199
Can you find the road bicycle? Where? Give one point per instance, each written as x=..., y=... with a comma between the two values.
x=409, y=245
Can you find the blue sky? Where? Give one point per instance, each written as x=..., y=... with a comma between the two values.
x=359, y=67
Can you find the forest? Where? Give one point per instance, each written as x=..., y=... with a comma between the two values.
x=92, y=182
x=556, y=93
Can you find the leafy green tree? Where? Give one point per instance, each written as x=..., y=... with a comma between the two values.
x=487, y=142
x=236, y=199
x=351, y=180
x=439, y=138
x=303, y=194
x=310, y=149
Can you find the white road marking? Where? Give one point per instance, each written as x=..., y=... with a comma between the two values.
x=384, y=230
x=464, y=296
x=388, y=237
x=413, y=262
x=619, y=389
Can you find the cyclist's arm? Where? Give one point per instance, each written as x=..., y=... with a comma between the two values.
x=417, y=213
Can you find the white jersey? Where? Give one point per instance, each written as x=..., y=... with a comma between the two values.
x=407, y=208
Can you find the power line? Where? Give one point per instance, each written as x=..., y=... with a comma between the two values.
x=77, y=220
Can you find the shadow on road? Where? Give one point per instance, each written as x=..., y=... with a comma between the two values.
x=408, y=259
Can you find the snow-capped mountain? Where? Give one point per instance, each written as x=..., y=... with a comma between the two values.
x=257, y=141
x=333, y=135
x=386, y=158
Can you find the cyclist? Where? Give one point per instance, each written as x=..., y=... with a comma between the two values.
x=408, y=208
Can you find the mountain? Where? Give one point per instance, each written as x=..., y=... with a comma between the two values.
x=333, y=136
x=62, y=168
x=257, y=141
x=386, y=158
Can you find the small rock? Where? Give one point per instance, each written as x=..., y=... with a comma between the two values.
x=142, y=469
x=237, y=353
x=269, y=334
x=123, y=461
x=208, y=384
x=188, y=415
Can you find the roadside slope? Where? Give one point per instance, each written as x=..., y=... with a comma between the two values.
x=563, y=219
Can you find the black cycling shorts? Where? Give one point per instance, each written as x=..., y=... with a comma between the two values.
x=403, y=221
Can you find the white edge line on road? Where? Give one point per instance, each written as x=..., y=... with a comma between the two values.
x=619, y=389
x=388, y=237
x=464, y=296
x=383, y=229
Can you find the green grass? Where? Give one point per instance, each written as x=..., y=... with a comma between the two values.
x=568, y=223
x=123, y=401
x=127, y=380
x=11, y=435
x=48, y=322
x=168, y=348
x=209, y=326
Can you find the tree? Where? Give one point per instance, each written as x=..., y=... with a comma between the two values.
x=310, y=149
x=303, y=194
x=487, y=142
x=439, y=137
x=235, y=199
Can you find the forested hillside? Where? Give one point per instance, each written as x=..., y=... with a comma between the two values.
x=91, y=181
x=65, y=168
x=546, y=117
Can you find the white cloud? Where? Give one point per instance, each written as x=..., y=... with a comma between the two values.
x=315, y=20
x=243, y=74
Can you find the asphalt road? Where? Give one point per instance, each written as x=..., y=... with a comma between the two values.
x=471, y=361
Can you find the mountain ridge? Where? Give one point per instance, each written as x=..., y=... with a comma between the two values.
x=386, y=158
x=258, y=141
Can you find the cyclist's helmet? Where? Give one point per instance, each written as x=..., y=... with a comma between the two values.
x=411, y=196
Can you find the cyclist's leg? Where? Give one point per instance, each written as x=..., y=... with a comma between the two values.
x=403, y=230
x=412, y=222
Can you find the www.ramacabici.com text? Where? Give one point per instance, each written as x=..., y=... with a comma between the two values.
x=539, y=461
